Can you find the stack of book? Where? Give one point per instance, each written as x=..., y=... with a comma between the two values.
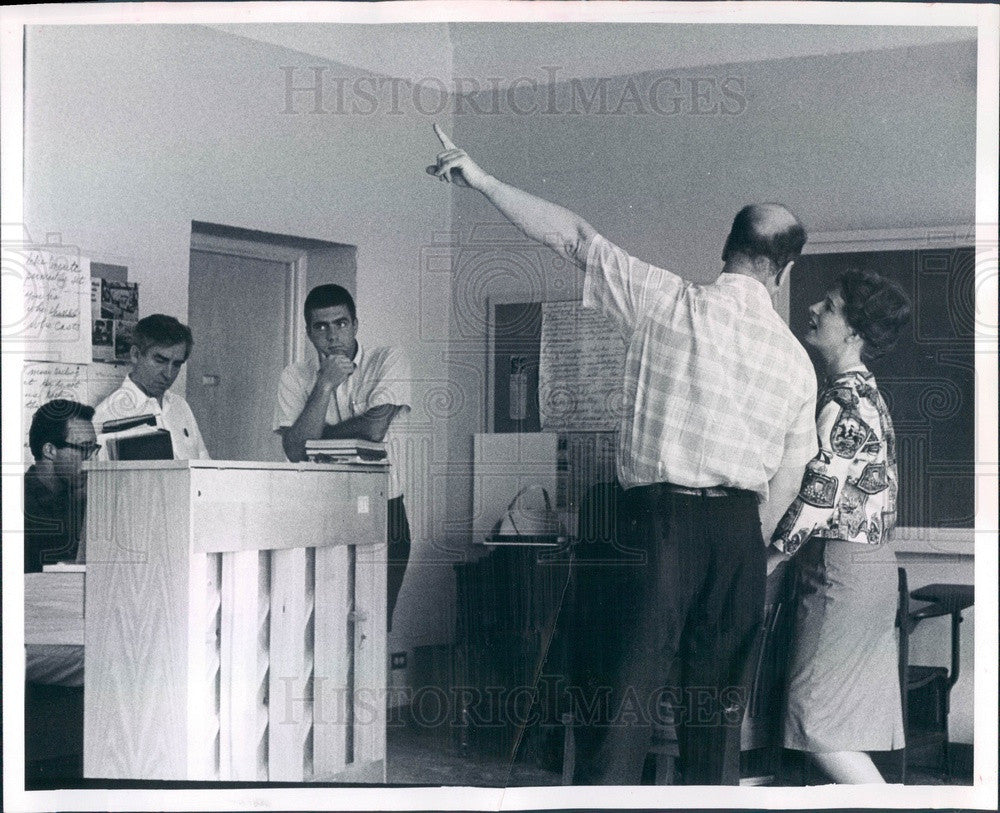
x=346, y=451
x=136, y=438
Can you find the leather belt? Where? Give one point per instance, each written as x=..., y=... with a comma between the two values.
x=711, y=491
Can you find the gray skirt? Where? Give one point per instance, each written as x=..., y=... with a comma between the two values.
x=843, y=685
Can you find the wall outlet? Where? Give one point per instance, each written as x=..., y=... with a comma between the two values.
x=398, y=660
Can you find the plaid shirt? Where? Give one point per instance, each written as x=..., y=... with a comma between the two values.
x=717, y=390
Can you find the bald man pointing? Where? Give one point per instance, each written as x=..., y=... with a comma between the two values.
x=716, y=429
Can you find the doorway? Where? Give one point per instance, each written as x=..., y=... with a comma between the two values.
x=245, y=293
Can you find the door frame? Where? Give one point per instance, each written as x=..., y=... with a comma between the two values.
x=295, y=279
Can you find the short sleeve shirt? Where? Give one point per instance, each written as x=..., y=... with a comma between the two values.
x=174, y=415
x=717, y=390
x=849, y=489
x=381, y=376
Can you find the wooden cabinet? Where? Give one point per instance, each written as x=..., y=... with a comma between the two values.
x=235, y=622
x=510, y=659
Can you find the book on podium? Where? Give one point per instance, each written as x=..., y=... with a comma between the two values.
x=346, y=451
x=136, y=438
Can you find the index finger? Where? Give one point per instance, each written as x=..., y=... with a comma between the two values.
x=445, y=141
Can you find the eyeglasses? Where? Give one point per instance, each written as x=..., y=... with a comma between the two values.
x=88, y=450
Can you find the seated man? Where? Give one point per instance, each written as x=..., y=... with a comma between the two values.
x=347, y=391
x=61, y=438
x=160, y=347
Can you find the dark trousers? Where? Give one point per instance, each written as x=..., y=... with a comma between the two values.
x=398, y=552
x=687, y=613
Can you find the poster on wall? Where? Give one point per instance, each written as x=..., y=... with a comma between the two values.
x=103, y=340
x=579, y=370
x=56, y=322
x=43, y=381
x=115, y=310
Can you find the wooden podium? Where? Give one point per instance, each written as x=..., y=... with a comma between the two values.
x=235, y=622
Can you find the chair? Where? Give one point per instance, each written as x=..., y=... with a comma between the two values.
x=926, y=690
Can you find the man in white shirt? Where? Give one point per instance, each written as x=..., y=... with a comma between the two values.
x=348, y=390
x=717, y=426
x=160, y=347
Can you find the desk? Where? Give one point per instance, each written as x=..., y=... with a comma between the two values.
x=945, y=599
x=927, y=704
x=949, y=597
x=53, y=608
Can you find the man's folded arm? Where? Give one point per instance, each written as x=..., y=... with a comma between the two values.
x=308, y=425
x=371, y=425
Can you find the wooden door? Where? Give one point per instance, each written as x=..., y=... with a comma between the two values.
x=244, y=301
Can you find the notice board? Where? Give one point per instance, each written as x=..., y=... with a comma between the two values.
x=557, y=368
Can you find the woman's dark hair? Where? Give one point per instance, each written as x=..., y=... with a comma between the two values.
x=876, y=307
x=48, y=424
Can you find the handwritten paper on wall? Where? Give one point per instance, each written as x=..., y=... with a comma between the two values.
x=43, y=381
x=56, y=324
x=580, y=370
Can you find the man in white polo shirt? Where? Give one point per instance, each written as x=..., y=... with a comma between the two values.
x=160, y=347
x=717, y=426
x=348, y=390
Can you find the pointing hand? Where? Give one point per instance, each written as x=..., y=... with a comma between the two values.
x=454, y=165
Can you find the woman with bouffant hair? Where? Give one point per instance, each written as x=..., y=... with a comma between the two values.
x=843, y=697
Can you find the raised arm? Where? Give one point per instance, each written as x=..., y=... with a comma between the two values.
x=548, y=223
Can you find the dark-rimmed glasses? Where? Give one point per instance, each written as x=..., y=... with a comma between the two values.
x=88, y=450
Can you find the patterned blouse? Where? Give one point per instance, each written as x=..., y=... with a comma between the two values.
x=849, y=489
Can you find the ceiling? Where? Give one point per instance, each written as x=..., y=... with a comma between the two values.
x=503, y=53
